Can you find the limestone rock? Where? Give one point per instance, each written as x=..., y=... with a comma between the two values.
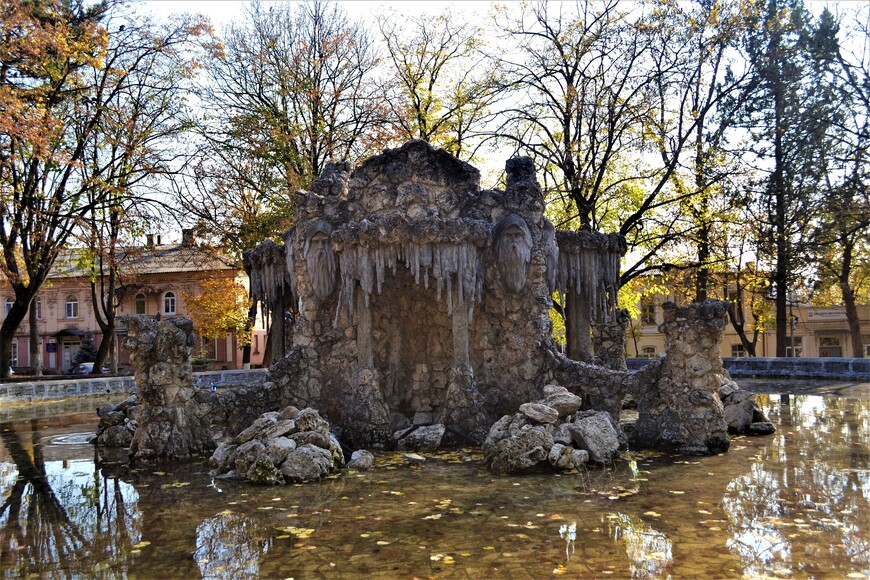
x=564, y=403
x=263, y=471
x=761, y=428
x=596, y=435
x=279, y=448
x=280, y=428
x=306, y=463
x=520, y=452
x=426, y=438
x=256, y=430
x=566, y=457
x=739, y=411
x=539, y=413
x=246, y=454
x=336, y=450
x=555, y=390
x=115, y=436
x=221, y=458
x=317, y=438
x=361, y=460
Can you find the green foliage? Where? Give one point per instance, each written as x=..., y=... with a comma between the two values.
x=87, y=351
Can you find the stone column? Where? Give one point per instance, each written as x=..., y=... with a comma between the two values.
x=609, y=341
x=683, y=411
x=171, y=425
x=365, y=349
x=578, y=324
x=461, y=357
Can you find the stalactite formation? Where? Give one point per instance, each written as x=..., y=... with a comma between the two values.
x=589, y=262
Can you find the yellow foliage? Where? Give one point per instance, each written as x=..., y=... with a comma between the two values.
x=221, y=307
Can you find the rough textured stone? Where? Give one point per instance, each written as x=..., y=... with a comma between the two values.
x=115, y=436
x=361, y=460
x=564, y=403
x=221, y=459
x=609, y=340
x=171, y=426
x=278, y=449
x=318, y=438
x=566, y=457
x=246, y=454
x=539, y=413
x=682, y=411
x=520, y=452
x=263, y=471
x=256, y=430
x=306, y=463
x=761, y=428
x=596, y=435
x=425, y=438
x=739, y=411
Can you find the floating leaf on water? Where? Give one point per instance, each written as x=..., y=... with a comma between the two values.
x=522, y=536
x=365, y=535
x=142, y=544
x=677, y=492
x=449, y=560
x=652, y=513
x=489, y=547
x=560, y=570
x=465, y=554
x=436, y=557
x=282, y=537
x=705, y=512
x=383, y=543
x=160, y=473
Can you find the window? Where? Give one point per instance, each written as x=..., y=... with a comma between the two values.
x=647, y=312
x=13, y=356
x=829, y=341
x=8, y=306
x=169, y=303
x=865, y=340
x=738, y=350
x=830, y=346
x=139, y=304
x=794, y=346
x=37, y=307
x=647, y=352
x=72, y=307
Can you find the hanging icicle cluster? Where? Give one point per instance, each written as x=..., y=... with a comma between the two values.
x=590, y=263
x=267, y=267
x=448, y=250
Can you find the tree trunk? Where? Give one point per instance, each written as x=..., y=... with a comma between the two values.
x=849, y=300
x=780, y=281
x=10, y=326
x=578, y=325
x=35, y=350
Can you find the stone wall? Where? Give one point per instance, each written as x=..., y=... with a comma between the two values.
x=682, y=410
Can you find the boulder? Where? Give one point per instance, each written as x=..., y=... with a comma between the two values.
x=306, y=463
x=421, y=439
x=596, y=434
x=279, y=448
x=289, y=412
x=115, y=436
x=336, y=450
x=279, y=429
x=222, y=458
x=264, y=472
x=564, y=403
x=317, y=438
x=761, y=428
x=555, y=390
x=309, y=419
x=361, y=460
x=739, y=411
x=566, y=457
x=520, y=452
x=256, y=430
x=246, y=454
x=539, y=413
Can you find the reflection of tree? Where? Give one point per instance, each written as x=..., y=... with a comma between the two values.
x=650, y=551
x=227, y=548
x=51, y=522
x=804, y=498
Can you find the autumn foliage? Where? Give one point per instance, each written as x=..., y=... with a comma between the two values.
x=221, y=307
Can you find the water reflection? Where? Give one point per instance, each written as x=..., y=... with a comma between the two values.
x=60, y=515
x=228, y=547
x=804, y=492
x=796, y=503
x=650, y=551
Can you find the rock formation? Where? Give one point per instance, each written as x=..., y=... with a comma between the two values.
x=171, y=424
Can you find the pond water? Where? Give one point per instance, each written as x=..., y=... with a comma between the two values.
x=794, y=504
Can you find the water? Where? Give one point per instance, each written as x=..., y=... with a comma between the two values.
x=794, y=504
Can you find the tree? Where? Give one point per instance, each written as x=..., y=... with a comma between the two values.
x=839, y=243
x=442, y=86
x=783, y=119
x=134, y=147
x=221, y=307
x=49, y=113
x=292, y=89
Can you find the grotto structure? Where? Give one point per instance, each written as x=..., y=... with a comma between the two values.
x=415, y=297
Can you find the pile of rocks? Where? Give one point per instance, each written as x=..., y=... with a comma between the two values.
x=742, y=413
x=117, y=423
x=289, y=446
x=551, y=431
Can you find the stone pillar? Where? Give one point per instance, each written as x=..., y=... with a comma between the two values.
x=365, y=349
x=171, y=425
x=682, y=411
x=578, y=325
x=461, y=357
x=609, y=341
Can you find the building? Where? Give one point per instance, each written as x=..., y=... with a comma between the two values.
x=153, y=282
x=815, y=331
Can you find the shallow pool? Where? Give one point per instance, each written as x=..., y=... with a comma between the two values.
x=794, y=504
